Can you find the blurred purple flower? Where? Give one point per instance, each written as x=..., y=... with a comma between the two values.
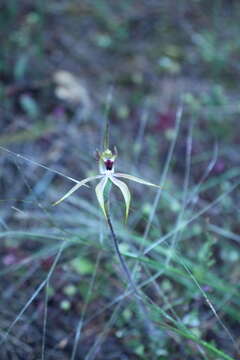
x=9, y=259
x=59, y=111
x=165, y=121
x=219, y=166
x=207, y=288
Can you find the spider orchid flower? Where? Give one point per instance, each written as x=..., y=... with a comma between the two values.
x=106, y=161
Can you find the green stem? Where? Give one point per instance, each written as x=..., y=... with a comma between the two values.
x=149, y=328
x=106, y=130
x=142, y=307
x=106, y=136
x=120, y=257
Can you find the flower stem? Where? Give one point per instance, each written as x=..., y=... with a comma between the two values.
x=149, y=328
x=142, y=307
x=120, y=257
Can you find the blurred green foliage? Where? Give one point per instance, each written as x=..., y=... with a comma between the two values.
x=134, y=62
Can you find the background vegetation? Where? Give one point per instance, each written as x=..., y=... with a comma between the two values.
x=64, y=66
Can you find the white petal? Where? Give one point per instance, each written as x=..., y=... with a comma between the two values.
x=75, y=187
x=125, y=191
x=134, y=178
x=100, y=193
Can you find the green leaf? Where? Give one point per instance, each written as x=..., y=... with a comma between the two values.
x=77, y=186
x=29, y=105
x=134, y=178
x=82, y=265
x=100, y=193
x=125, y=191
x=205, y=344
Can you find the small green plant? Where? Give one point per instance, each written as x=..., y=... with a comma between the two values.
x=106, y=160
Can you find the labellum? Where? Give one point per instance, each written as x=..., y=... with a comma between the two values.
x=109, y=164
